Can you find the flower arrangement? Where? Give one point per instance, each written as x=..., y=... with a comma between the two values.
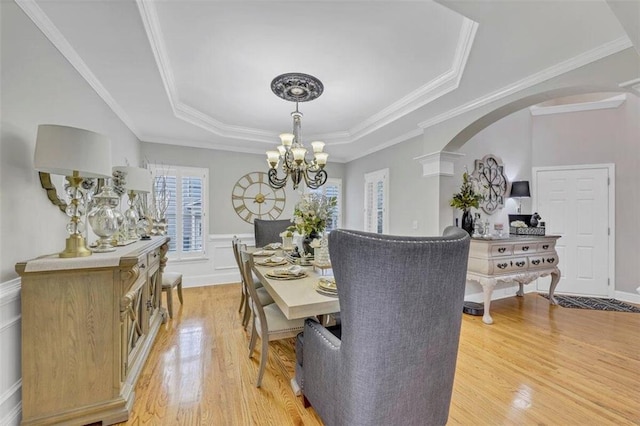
x=467, y=197
x=311, y=214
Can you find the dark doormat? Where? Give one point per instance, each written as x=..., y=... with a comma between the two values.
x=581, y=302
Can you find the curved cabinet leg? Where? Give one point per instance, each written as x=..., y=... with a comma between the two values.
x=520, y=292
x=487, y=288
x=555, y=278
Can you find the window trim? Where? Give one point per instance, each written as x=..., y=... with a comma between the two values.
x=374, y=177
x=180, y=172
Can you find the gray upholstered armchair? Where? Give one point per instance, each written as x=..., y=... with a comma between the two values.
x=268, y=231
x=401, y=307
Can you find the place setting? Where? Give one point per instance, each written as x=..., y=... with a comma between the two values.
x=327, y=286
x=292, y=272
x=272, y=261
x=264, y=253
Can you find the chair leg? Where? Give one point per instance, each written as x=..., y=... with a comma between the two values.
x=252, y=341
x=180, y=291
x=264, y=357
x=242, y=296
x=247, y=313
x=305, y=402
x=170, y=302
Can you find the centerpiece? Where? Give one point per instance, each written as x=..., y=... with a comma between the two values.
x=465, y=200
x=310, y=218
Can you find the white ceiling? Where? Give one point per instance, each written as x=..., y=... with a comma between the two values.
x=198, y=73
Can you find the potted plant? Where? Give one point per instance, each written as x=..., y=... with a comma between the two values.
x=465, y=200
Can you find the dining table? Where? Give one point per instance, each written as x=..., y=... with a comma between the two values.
x=296, y=298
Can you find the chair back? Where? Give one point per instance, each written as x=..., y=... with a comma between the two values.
x=401, y=309
x=268, y=231
x=246, y=262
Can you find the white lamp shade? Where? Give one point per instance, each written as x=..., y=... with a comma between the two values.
x=61, y=150
x=321, y=158
x=136, y=178
x=298, y=153
x=286, y=139
x=317, y=146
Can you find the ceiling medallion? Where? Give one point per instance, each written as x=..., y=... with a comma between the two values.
x=297, y=87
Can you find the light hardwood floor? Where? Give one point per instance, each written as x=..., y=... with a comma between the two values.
x=537, y=365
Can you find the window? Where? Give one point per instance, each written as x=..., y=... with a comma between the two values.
x=186, y=189
x=376, y=201
x=332, y=188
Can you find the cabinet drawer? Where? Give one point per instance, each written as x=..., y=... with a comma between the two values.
x=525, y=248
x=510, y=265
x=501, y=250
x=546, y=246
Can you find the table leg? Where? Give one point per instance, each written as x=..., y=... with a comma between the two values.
x=555, y=278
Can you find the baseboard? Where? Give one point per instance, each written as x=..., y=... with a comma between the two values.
x=628, y=297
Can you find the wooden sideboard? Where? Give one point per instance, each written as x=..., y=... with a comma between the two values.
x=88, y=325
x=516, y=259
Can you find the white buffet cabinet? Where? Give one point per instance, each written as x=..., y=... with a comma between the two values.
x=88, y=325
x=520, y=259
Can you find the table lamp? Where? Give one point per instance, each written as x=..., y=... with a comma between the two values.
x=137, y=181
x=76, y=154
x=519, y=190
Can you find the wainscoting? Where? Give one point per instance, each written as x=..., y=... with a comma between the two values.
x=10, y=379
x=218, y=266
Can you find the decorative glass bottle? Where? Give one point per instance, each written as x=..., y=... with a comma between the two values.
x=103, y=218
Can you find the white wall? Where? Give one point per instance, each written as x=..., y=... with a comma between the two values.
x=595, y=137
x=38, y=86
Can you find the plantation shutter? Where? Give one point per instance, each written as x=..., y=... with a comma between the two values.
x=376, y=198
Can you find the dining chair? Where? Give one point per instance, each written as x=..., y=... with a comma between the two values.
x=268, y=231
x=401, y=310
x=269, y=323
x=262, y=295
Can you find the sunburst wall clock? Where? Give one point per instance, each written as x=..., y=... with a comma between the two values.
x=252, y=197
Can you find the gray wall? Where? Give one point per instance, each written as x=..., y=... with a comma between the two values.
x=39, y=86
x=225, y=168
x=410, y=193
x=596, y=137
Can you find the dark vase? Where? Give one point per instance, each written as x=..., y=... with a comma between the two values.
x=307, y=241
x=467, y=221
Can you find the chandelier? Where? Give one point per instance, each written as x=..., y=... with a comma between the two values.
x=297, y=87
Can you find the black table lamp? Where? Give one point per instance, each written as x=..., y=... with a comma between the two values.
x=519, y=190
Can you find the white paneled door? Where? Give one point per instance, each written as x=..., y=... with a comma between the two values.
x=575, y=204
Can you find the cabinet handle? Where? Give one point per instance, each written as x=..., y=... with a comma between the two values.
x=501, y=265
x=520, y=264
x=142, y=266
x=551, y=259
x=536, y=261
x=546, y=246
x=525, y=248
x=501, y=249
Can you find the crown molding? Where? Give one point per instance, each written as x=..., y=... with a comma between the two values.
x=578, y=61
x=399, y=139
x=613, y=102
x=436, y=88
x=632, y=85
x=42, y=21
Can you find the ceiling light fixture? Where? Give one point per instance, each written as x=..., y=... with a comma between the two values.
x=297, y=87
